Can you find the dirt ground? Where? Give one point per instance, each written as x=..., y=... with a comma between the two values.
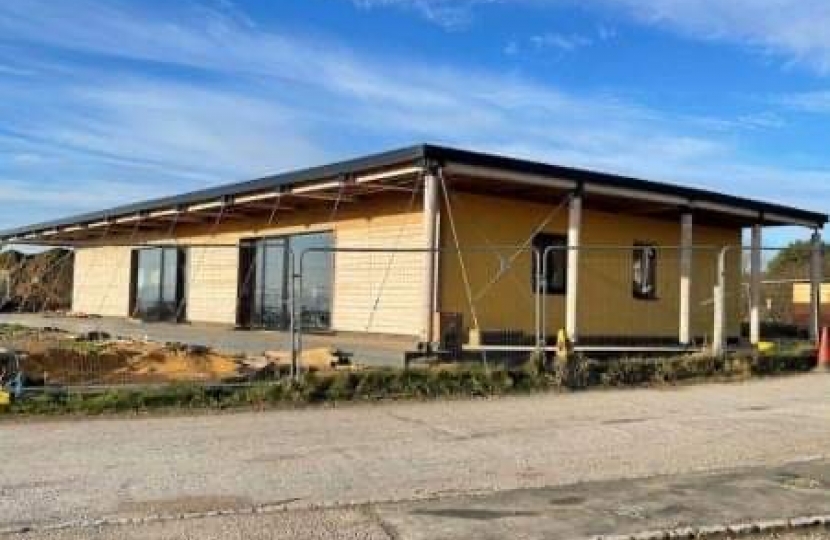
x=53, y=357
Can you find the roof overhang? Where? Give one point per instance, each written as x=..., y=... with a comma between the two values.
x=391, y=171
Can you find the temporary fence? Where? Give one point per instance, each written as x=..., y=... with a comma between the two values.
x=234, y=312
x=789, y=296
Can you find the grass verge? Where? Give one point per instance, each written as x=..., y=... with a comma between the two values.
x=535, y=375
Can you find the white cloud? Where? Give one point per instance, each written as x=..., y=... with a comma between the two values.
x=811, y=102
x=562, y=42
x=450, y=14
x=794, y=30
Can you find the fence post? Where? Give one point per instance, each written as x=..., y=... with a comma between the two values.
x=816, y=279
x=755, y=272
x=718, y=335
x=292, y=313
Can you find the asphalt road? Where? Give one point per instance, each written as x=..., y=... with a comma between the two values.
x=67, y=471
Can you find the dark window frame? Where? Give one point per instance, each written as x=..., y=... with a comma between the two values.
x=179, y=312
x=644, y=254
x=557, y=264
x=246, y=316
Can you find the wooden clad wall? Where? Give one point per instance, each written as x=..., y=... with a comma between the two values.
x=375, y=292
x=101, y=283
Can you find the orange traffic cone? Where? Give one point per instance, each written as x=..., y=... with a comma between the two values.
x=824, y=350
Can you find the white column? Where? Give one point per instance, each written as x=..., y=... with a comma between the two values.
x=686, y=255
x=572, y=287
x=430, y=238
x=816, y=279
x=755, y=273
x=719, y=333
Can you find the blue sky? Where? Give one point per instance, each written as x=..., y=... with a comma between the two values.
x=112, y=101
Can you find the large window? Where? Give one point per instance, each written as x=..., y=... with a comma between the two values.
x=264, y=281
x=555, y=277
x=157, y=284
x=644, y=272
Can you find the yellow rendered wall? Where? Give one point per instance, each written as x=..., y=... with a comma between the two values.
x=801, y=293
x=500, y=281
x=375, y=292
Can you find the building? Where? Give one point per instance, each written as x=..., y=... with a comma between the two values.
x=426, y=241
x=801, y=304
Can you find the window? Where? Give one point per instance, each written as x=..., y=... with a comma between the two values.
x=644, y=272
x=158, y=283
x=265, y=277
x=555, y=248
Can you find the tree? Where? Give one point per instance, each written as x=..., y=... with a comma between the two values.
x=793, y=262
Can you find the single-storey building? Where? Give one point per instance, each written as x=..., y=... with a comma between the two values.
x=801, y=304
x=427, y=241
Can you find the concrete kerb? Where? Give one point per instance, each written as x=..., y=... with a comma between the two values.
x=734, y=530
x=727, y=531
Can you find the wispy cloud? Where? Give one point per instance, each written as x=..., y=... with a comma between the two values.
x=562, y=42
x=243, y=101
x=793, y=30
x=817, y=102
x=559, y=41
x=451, y=14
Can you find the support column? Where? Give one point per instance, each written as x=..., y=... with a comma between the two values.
x=816, y=280
x=431, y=206
x=686, y=255
x=755, y=273
x=572, y=285
x=719, y=331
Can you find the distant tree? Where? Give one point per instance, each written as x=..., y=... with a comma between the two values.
x=793, y=262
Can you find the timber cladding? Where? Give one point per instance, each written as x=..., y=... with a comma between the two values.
x=375, y=292
x=500, y=281
x=383, y=292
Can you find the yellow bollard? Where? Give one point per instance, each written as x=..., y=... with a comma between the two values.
x=563, y=345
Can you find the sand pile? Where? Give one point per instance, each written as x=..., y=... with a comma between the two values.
x=126, y=362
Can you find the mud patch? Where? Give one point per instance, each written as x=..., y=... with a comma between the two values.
x=797, y=481
x=618, y=421
x=573, y=500
x=186, y=504
x=277, y=458
x=473, y=514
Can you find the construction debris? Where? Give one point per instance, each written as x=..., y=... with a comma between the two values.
x=36, y=282
x=50, y=357
x=319, y=359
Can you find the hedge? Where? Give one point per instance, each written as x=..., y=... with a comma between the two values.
x=535, y=375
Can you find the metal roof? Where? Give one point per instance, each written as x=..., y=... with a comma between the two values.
x=424, y=154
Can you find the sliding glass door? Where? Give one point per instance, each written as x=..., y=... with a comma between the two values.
x=157, y=292
x=264, y=278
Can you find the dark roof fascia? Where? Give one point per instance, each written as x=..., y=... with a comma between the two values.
x=426, y=154
x=412, y=154
x=584, y=176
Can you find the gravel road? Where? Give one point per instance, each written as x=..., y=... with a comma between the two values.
x=67, y=470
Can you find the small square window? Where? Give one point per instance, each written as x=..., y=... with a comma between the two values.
x=644, y=272
x=555, y=248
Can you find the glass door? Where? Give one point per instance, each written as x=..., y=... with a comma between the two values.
x=269, y=281
x=158, y=284
x=315, y=299
x=264, y=278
